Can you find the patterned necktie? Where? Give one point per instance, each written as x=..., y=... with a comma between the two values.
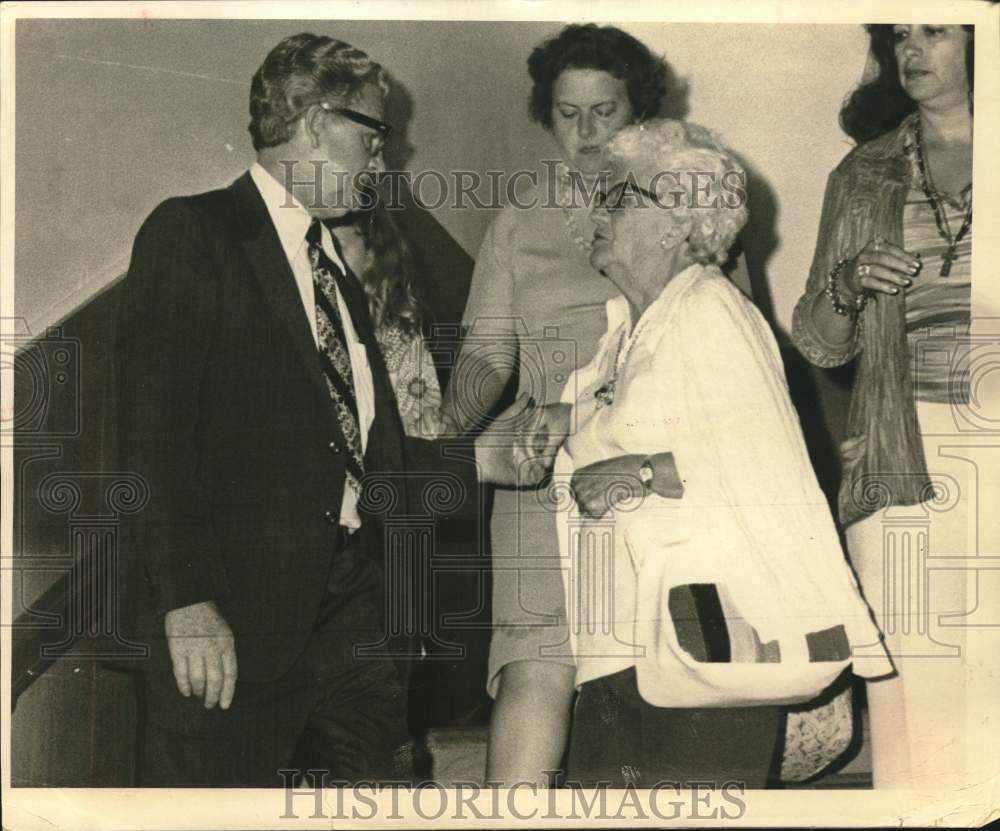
x=333, y=352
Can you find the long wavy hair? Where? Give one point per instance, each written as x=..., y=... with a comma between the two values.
x=880, y=104
x=389, y=274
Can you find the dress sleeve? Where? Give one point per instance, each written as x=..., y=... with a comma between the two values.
x=490, y=307
x=829, y=248
x=413, y=376
x=488, y=354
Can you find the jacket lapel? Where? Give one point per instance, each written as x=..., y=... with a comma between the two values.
x=273, y=273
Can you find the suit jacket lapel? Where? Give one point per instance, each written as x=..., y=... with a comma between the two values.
x=270, y=266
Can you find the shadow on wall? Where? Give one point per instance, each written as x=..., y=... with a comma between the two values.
x=675, y=102
x=820, y=396
x=399, y=113
x=759, y=240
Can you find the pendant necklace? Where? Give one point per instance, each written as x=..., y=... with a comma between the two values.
x=604, y=395
x=940, y=218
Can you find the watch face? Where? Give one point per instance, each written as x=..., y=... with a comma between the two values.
x=646, y=473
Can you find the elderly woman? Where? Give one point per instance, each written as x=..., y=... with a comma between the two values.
x=891, y=283
x=706, y=582
x=533, y=279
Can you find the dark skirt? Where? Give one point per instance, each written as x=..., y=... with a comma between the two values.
x=618, y=739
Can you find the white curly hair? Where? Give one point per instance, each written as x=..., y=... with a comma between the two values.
x=707, y=182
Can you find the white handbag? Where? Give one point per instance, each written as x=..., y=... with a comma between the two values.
x=784, y=643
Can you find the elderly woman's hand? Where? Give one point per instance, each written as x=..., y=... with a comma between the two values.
x=880, y=266
x=601, y=486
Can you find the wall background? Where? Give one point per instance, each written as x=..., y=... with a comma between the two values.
x=113, y=116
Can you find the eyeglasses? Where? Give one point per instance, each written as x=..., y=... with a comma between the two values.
x=376, y=142
x=618, y=198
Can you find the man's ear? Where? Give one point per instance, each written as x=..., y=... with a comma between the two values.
x=315, y=124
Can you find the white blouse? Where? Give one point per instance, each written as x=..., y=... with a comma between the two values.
x=700, y=375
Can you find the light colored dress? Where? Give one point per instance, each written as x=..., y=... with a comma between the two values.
x=700, y=375
x=533, y=280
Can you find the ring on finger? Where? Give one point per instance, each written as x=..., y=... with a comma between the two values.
x=864, y=270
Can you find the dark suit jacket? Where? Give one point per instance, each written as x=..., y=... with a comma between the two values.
x=224, y=410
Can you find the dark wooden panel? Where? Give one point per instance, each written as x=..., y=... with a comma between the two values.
x=75, y=727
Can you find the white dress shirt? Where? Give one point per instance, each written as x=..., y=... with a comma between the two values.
x=291, y=221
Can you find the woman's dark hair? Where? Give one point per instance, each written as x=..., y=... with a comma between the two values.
x=878, y=106
x=603, y=48
x=389, y=273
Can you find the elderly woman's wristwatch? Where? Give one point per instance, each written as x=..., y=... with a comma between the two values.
x=646, y=475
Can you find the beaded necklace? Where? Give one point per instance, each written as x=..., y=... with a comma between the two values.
x=605, y=394
x=564, y=199
x=940, y=218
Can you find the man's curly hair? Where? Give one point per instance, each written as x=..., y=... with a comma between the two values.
x=302, y=70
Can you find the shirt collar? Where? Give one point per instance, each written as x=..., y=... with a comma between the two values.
x=291, y=220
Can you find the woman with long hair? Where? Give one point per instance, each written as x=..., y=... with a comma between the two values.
x=890, y=284
x=376, y=250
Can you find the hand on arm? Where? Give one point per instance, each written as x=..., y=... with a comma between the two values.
x=545, y=434
x=503, y=456
x=203, y=653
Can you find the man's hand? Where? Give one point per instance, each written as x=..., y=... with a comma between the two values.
x=501, y=454
x=203, y=653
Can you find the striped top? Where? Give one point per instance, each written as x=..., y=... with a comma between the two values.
x=938, y=309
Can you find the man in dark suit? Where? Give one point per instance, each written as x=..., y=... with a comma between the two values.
x=254, y=400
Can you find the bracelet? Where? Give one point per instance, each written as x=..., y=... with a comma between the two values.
x=831, y=291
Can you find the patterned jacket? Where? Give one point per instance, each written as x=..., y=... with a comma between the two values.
x=882, y=456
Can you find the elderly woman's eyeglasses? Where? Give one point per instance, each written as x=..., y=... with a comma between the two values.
x=374, y=141
x=626, y=195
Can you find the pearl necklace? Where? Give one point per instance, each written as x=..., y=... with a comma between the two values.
x=585, y=245
x=564, y=200
x=604, y=395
